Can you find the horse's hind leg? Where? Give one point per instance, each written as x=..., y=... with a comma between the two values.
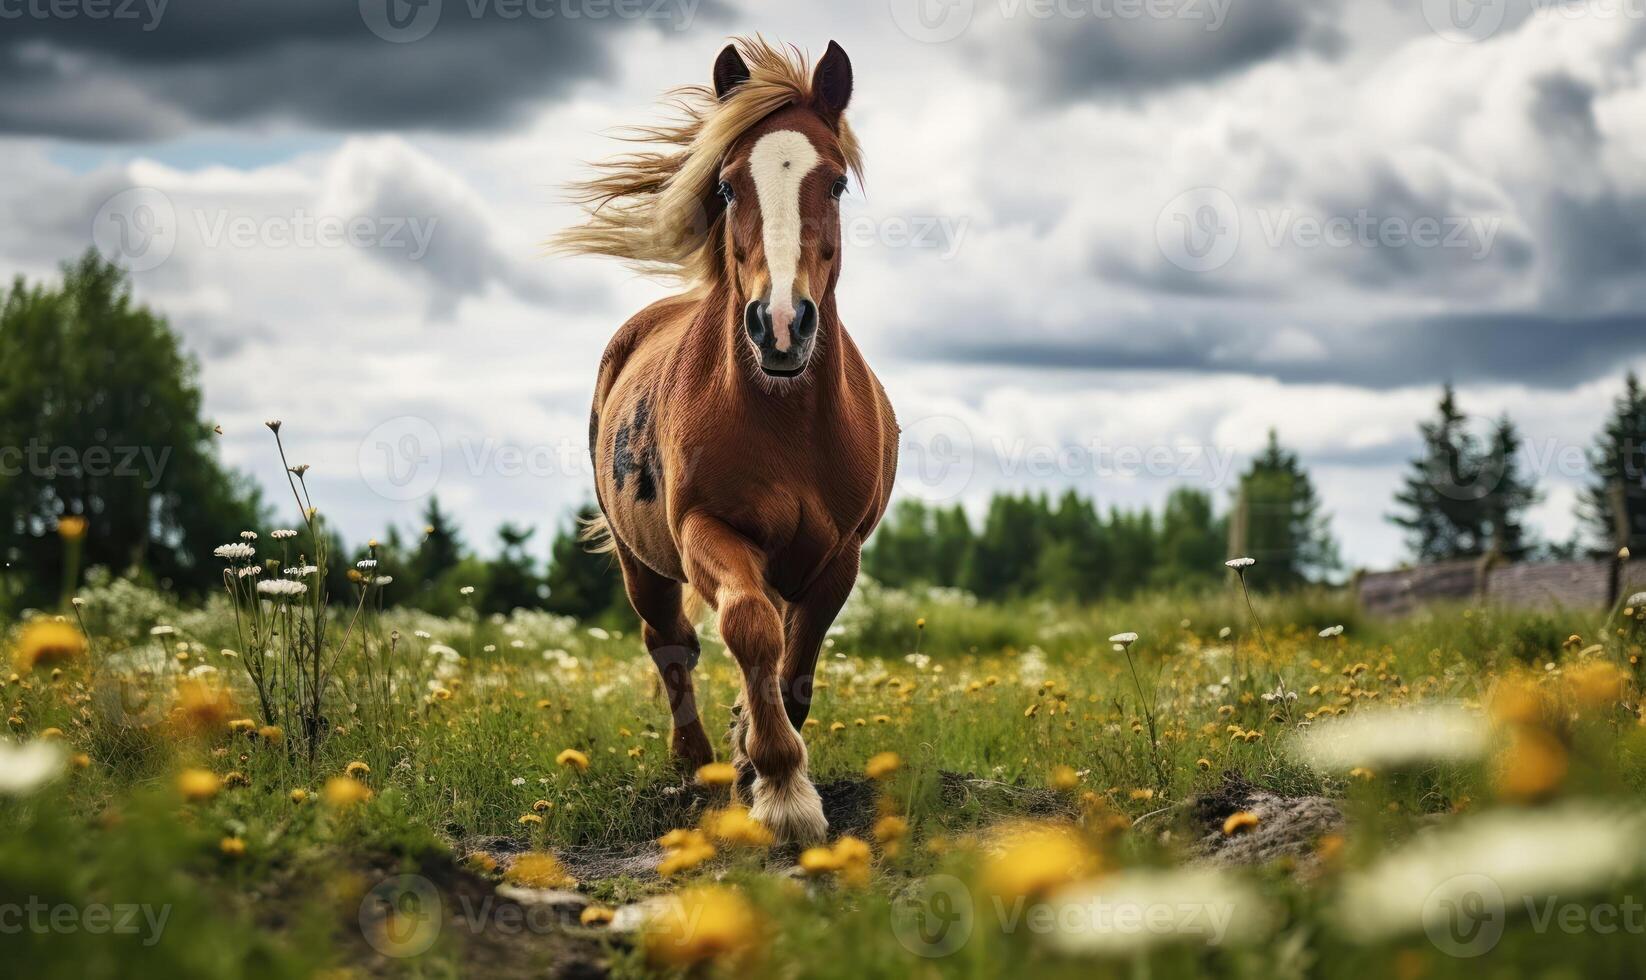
x=672, y=642
x=729, y=572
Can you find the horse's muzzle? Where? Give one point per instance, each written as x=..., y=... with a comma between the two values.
x=757, y=322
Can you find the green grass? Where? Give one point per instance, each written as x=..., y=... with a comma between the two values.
x=998, y=695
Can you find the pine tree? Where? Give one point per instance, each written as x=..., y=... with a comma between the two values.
x=1279, y=522
x=511, y=578
x=1510, y=496
x=1444, y=499
x=441, y=549
x=1613, y=508
x=1007, y=550
x=582, y=584
x=1074, y=560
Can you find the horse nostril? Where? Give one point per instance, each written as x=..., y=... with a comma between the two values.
x=805, y=320
x=755, y=320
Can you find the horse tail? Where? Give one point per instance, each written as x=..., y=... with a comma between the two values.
x=596, y=535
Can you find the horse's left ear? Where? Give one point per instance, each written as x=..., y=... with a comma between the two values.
x=832, y=83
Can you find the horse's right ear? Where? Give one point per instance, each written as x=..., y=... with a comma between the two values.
x=729, y=71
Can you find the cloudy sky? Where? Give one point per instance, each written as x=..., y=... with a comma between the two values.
x=1101, y=243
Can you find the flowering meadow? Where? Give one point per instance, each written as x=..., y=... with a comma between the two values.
x=1273, y=786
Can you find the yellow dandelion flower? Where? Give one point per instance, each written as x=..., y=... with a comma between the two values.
x=1032, y=859
x=272, y=734
x=80, y=760
x=734, y=826
x=47, y=641
x=299, y=795
x=1239, y=822
x=709, y=924
x=1063, y=778
x=538, y=869
x=881, y=765
x=572, y=759
x=357, y=769
x=344, y=792
x=1361, y=773
x=202, y=707
x=239, y=725
x=890, y=828
x=530, y=819
x=235, y=779
x=816, y=861
x=232, y=847
x=837, y=726
x=717, y=774
x=1596, y=684
x=1203, y=764
x=1532, y=767
x=197, y=785
x=596, y=915
x=542, y=806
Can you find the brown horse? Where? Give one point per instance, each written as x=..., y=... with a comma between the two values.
x=742, y=446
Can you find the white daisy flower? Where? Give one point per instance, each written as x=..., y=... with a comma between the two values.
x=235, y=552
x=1123, y=639
x=162, y=630
x=250, y=571
x=248, y=535
x=1240, y=564
x=1330, y=632
x=466, y=590
x=599, y=633
x=284, y=534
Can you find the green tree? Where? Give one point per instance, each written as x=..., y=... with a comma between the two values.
x=900, y=552
x=1278, y=520
x=439, y=551
x=100, y=418
x=1074, y=556
x=1192, y=540
x=582, y=584
x=512, y=581
x=1510, y=495
x=1613, y=506
x=1002, y=563
x=1444, y=514
x=1132, y=543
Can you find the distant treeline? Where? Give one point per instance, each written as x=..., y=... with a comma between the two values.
x=100, y=418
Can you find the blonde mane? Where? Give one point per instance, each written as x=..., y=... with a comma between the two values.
x=647, y=207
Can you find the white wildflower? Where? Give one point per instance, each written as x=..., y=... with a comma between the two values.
x=284, y=534
x=1331, y=631
x=1123, y=639
x=25, y=768
x=1395, y=737
x=1129, y=912
x=1638, y=599
x=280, y=588
x=1240, y=564
x=466, y=590
x=248, y=535
x=599, y=633
x=235, y=552
x=303, y=571
x=250, y=571
x=518, y=781
x=162, y=630
x=1515, y=857
x=383, y=580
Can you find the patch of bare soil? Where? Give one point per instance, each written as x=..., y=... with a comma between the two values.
x=1288, y=827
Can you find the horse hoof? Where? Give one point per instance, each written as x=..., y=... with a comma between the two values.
x=790, y=809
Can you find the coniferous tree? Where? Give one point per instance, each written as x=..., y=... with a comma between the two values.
x=1074, y=557
x=1510, y=496
x=512, y=581
x=1613, y=506
x=1443, y=501
x=581, y=583
x=1192, y=540
x=440, y=550
x=1280, y=523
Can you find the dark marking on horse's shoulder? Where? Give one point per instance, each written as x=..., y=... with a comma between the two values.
x=634, y=451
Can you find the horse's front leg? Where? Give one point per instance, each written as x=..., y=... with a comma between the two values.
x=805, y=627
x=729, y=571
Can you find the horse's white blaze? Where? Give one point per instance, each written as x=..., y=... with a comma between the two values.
x=779, y=163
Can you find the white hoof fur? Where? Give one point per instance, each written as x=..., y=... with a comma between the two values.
x=790, y=809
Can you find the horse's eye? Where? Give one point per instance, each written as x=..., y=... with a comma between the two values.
x=725, y=191
x=838, y=189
